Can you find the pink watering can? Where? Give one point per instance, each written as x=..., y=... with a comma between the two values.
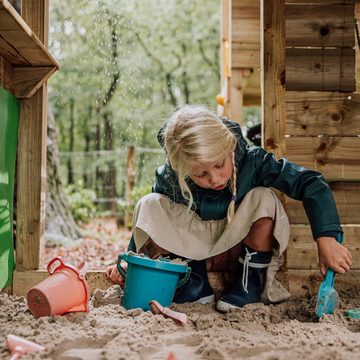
x=65, y=290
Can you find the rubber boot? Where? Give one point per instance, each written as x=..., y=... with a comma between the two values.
x=250, y=280
x=197, y=289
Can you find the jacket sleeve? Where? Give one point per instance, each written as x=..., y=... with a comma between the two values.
x=301, y=184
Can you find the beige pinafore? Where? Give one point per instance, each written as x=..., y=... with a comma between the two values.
x=174, y=228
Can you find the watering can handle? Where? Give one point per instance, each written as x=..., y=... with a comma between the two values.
x=51, y=269
x=119, y=267
x=330, y=274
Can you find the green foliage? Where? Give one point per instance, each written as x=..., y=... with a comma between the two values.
x=81, y=202
x=131, y=63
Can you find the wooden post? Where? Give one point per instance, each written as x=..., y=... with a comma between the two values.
x=225, y=57
x=273, y=76
x=357, y=45
x=129, y=184
x=31, y=170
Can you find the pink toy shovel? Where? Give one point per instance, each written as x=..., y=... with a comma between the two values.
x=157, y=308
x=19, y=347
x=65, y=290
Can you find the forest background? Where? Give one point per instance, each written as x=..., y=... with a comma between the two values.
x=125, y=66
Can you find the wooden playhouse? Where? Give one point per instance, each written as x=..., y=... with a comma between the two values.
x=296, y=59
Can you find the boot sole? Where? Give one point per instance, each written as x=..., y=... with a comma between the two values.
x=224, y=307
x=205, y=300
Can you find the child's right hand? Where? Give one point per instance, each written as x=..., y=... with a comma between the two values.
x=112, y=273
x=333, y=255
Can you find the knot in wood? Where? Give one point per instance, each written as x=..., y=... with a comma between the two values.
x=270, y=143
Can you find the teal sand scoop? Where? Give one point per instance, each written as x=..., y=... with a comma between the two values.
x=328, y=298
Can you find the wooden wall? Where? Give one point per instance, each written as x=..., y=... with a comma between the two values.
x=311, y=108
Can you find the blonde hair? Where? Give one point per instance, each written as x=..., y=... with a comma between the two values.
x=194, y=135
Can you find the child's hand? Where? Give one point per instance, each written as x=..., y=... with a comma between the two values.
x=333, y=255
x=113, y=274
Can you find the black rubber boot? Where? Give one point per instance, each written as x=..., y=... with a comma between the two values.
x=197, y=288
x=250, y=280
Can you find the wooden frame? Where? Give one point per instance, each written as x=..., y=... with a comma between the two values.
x=26, y=76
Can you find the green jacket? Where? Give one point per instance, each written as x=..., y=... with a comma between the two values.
x=256, y=167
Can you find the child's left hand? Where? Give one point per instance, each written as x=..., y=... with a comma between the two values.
x=333, y=255
x=112, y=273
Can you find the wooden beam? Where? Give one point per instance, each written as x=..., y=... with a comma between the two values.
x=357, y=45
x=24, y=280
x=6, y=75
x=31, y=173
x=28, y=80
x=298, y=282
x=21, y=44
x=273, y=75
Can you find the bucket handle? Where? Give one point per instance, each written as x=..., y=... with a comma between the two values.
x=51, y=269
x=118, y=265
x=80, y=270
x=185, y=278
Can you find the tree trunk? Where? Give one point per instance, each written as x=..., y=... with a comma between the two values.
x=110, y=177
x=71, y=144
x=60, y=226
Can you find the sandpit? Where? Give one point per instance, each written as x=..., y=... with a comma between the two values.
x=285, y=331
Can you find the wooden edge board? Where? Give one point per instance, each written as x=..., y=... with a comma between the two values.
x=298, y=282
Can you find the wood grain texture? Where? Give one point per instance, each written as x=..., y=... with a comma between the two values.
x=347, y=197
x=320, y=69
x=322, y=113
x=319, y=25
x=337, y=158
x=273, y=75
x=302, y=249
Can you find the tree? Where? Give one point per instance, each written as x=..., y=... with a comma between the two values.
x=60, y=225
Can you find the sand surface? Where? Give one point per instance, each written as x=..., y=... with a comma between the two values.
x=284, y=331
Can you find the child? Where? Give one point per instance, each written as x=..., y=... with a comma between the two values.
x=211, y=205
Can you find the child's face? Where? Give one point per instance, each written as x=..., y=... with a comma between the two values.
x=213, y=175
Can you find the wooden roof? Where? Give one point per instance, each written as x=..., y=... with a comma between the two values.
x=19, y=46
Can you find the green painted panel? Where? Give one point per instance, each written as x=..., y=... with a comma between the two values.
x=9, y=123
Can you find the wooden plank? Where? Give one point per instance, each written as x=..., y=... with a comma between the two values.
x=302, y=250
x=298, y=282
x=31, y=171
x=29, y=79
x=246, y=31
x=328, y=2
x=347, y=197
x=335, y=157
x=243, y=56
x=357, y=44
x=319, y=25
x=320, y=69
x=273, y=75
x=19, y=44
x=322, y=113
x=25, y=280
x=6, y=75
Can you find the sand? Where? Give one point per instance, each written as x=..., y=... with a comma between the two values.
x=284, y=331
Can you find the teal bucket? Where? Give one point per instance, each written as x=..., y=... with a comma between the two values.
x=147, y=279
